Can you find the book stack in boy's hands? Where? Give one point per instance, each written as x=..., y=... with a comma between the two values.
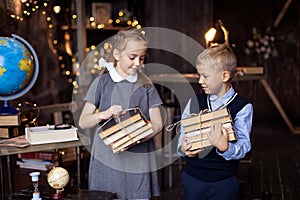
x=125, y=129
x=198, y=127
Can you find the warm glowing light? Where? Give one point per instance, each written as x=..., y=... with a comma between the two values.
x=99, y=26
x=135, y=22
x=44, y=12
x=62, y=66
x=129, y=22
x=93, y=24
x=138, y=26
x=54, y=41
x=50, y=26
x=68, y=72
x=121, y=13
x=60, y=58
x=118, y=21
x=23, y=1
x=92, y=19
x=74, y=16
x=56, y=9
x=210, y=35
x=110, y=21
x=48, y=19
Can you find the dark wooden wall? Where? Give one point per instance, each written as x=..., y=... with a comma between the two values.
x=192, y=18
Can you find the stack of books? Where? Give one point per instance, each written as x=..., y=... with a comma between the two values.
x=197, y=127
x=9, y=125
x=43, y=161
x=126, y=129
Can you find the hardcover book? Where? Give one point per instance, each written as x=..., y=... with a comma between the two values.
x=10, y=120
x=198, y=127
x=125, y=129
x=9, y=132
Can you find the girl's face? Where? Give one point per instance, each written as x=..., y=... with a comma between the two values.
x=131, y=58
x=211, y=80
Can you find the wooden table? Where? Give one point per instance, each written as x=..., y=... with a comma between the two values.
x=69, y=194
x=7, y=151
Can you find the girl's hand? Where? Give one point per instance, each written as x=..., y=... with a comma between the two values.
x=113, y=110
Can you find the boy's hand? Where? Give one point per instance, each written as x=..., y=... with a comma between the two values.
x=185, y=148
x=218, y=137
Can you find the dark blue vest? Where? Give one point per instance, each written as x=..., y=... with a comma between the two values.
x=213, y=167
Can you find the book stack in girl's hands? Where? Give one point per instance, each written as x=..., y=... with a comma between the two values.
x=125, y=129
x=197, y=127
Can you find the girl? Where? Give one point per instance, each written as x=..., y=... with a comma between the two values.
x=131, y=173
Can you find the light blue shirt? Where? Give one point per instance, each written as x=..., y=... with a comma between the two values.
x=242, y=126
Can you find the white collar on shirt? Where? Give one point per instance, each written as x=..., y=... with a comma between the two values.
x=115, y=76
x=216, y=103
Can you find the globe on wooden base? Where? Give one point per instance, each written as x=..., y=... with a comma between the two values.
x=58, y=178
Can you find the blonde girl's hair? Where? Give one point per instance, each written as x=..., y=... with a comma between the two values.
x=120, y=40
x=221, y=57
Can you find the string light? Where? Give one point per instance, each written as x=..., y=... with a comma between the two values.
x=31, y=6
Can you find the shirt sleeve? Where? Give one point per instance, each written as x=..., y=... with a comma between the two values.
x=93, y=95
x=154, y=98
x=242, y=126
x=185, y=114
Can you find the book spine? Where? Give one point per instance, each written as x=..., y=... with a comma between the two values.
x=117, y=127
x=133, y=140
x=10, y=120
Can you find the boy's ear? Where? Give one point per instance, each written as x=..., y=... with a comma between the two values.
x=116, y=54
x=225, y=76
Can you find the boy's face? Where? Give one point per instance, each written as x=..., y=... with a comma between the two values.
x=211, y=80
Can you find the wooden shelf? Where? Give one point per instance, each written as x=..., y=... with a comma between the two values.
x=106, y=28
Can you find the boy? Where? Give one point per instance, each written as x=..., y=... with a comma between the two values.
x=213, y=174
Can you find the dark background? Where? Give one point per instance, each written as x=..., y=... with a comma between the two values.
x=192, y=18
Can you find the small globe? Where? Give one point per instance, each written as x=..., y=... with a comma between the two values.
x=58, y=178
x=18, y=67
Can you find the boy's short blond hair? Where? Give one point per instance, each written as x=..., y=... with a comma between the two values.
x=221, y=57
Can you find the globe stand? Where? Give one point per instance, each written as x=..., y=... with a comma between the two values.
x=6, y=109
x=58, y=178
x=58, y=195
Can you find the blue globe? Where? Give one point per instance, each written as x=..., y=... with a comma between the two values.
x=18, y=69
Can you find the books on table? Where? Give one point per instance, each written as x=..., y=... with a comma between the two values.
x=198, y=127
x=36, y=164
x=121, y=131
x=10, y=120
x=9, y=131
x=48, y=134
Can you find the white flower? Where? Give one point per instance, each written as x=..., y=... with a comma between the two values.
x=247, y=51
x=250, y=43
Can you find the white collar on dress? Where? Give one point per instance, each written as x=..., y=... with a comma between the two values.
x=115, y=76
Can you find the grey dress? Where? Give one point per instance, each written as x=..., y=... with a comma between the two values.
x=131, y=174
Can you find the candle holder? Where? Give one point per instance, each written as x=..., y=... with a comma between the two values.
x=35, y=183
